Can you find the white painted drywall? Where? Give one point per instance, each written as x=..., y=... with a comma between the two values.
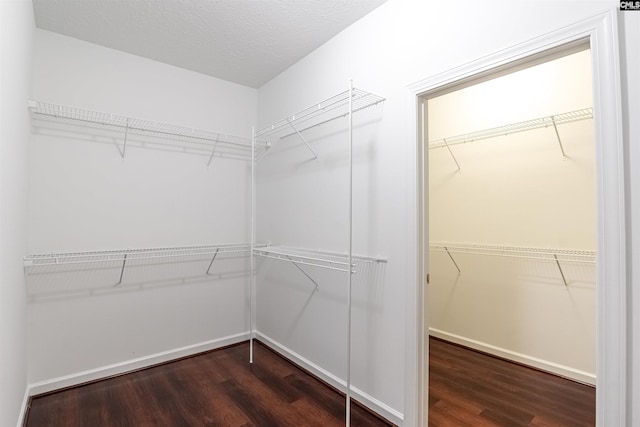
x=83, y=196
x=630, y=65
x=302, y=203
x=16, y=38
x=517, y=190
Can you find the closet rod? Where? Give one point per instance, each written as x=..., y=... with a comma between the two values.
x=296, y=256
x=539, y=123
x=319, y=255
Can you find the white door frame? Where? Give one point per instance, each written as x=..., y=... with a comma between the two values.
x=611, y=357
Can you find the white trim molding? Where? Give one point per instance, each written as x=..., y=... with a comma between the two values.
x=601, y=31
x=367, y=400
x=23, y=409
x=132, y=365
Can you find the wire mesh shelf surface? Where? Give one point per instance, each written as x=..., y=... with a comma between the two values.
x=545, y=254
x=330, y=109
x=317, y=258
x=206, y=141
x=54, y=259
x=542, y=122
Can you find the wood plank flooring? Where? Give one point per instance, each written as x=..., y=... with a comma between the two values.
x=468, y=388
x=218, y=388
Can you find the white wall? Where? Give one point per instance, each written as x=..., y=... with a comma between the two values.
x=630, y=62
x=517, y=190
x=84, y=196
x=401, y=42
x=16, y=36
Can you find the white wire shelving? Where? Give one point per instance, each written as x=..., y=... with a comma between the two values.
x=343, y=105
x=557, y=256
x=332, y=108
x=508, y=129
x=128, y=256
x=151, y=133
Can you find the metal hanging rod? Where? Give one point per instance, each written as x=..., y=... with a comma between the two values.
x=330, y=109
x=223, y=144
x=324, y=259
x=128, y=255
x=542, y=122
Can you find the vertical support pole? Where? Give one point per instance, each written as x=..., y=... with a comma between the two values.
x=252, y=284
x=348, y=391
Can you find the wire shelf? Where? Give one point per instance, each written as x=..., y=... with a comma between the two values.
x=542, y=122
x=215, y=144
x=544, y=254
x=323, y=112
x=122, y=255
x=329, y=260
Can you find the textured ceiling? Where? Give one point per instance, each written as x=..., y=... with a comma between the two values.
x=243, y=41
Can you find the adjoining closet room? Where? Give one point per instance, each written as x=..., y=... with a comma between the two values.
x=512, y=226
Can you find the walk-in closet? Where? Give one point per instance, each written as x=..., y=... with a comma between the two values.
x=512, y=218
x=282, y=212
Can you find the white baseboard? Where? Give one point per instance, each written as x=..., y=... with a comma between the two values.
x=367, y=400
x=131, y=365
x=545, y=365
x=23, y=408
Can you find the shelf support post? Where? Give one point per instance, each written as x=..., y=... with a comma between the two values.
x=304, y=272
x=452, y=259
x=126, y=134
x=560, y=269
x=124, y=263
x=555, y=127
x=212, y=259
x=213, y=150
x=451, y=152
x=315, y=156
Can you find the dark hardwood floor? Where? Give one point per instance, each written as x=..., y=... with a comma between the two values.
x=218, y=388
x=468, y=388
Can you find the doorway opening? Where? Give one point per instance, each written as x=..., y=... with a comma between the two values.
x=512, y=218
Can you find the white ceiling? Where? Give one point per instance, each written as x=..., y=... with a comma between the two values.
x=243, y=41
